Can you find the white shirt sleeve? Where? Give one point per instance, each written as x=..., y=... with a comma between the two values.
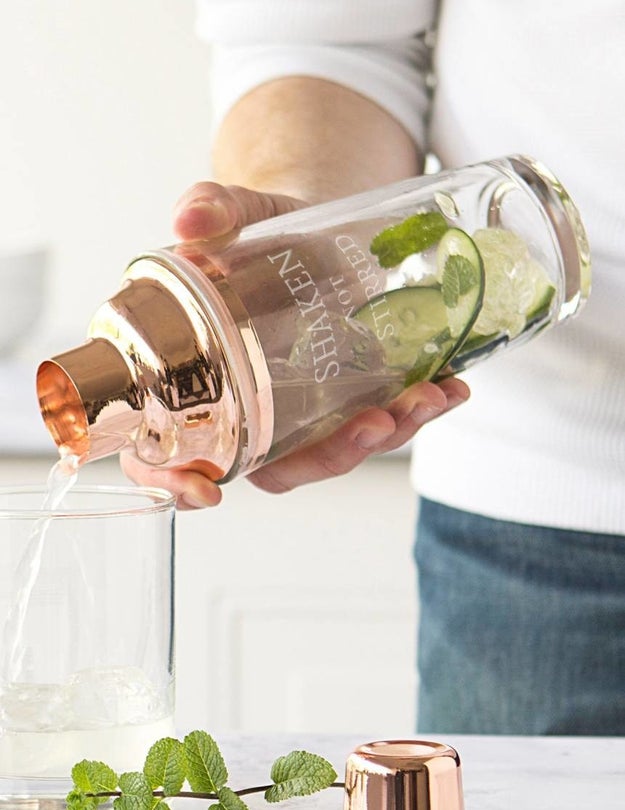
x=376, y=47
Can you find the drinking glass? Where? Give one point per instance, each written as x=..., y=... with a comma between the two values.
x=87, y=633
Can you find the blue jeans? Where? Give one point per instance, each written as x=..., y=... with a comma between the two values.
x=522, y=628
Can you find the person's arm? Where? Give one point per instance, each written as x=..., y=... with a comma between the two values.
x=312, y=139
x=297, y=141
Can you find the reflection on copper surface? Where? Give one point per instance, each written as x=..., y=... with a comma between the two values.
x=88, y=399
x=154, y=378
x=403, y=775
x=62, y=409
x=206, y=468
x=196, y=381
x=195, y=419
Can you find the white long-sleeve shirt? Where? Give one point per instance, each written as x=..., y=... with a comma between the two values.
x=542, y=439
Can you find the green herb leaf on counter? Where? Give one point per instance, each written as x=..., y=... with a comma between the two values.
x=229, y=800
x=413, y=235
x=166, y=765
x=197, y=761
x=136, y=793
x=206, y=769
x=299, y=774
x=91, y=778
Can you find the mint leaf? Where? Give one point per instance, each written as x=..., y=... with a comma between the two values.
x=299, y=774
x=91, y=776
x=136, y=792
x=468, y=275
x=206, y=770
x=228, y=800
x=76, y=800
x=450, y=287
x=459, y=276
x=165, y=766
x=413, y=235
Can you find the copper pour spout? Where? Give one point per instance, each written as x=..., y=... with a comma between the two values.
x=88, y=400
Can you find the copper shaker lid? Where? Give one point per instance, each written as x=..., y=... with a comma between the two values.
x=403, y=775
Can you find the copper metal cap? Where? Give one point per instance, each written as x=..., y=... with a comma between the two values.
x=403, y=775
x=85, y=397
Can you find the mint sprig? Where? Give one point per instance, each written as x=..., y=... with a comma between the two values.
x=413, y=235
x=198, y=762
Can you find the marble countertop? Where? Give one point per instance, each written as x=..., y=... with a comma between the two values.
x=499, y=773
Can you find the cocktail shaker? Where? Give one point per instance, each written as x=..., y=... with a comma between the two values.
x=221, y=355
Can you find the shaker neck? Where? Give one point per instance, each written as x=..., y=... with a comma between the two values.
x=88, y=400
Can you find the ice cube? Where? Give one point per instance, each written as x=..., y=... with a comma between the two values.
x=106, y=696
x=34, y=707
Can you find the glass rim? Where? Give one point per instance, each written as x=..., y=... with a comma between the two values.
x=160, y=500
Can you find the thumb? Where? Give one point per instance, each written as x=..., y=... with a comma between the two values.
x=208, y=209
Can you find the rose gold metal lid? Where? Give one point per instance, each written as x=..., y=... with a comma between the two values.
x=403, y=775
x=167, y=373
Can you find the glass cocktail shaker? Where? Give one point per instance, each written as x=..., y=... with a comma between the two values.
x=222, y=355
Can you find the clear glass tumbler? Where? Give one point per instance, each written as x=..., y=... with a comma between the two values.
x=87, y=633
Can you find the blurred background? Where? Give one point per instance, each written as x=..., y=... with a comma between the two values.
x=295, y=612
x=105, y=119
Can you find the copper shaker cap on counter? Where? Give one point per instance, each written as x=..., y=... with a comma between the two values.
x=403, y=775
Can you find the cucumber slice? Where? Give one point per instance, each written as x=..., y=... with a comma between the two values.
x=407, y=322
x=518, y=292
x=421, y=327
x=461, y=275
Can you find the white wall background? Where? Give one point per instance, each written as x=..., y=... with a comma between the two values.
x=104, y=121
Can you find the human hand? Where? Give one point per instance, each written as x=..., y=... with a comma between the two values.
x=208, y=210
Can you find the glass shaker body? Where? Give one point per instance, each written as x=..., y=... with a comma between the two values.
x=231, y=353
